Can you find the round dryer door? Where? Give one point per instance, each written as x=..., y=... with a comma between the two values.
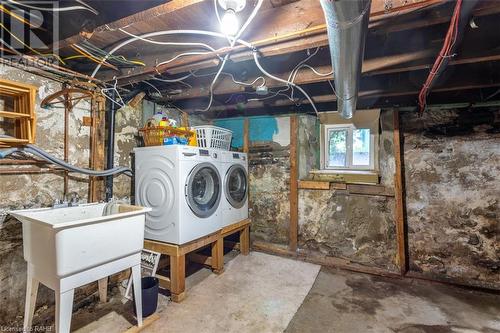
x=235, y=186
x=203, y=189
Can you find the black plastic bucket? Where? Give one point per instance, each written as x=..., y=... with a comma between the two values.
x=149, y=295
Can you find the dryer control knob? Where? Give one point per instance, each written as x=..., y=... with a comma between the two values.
x=214, y=155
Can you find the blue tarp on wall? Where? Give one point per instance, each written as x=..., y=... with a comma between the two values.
x=260, y=129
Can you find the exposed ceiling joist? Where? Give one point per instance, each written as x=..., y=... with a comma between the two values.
x=366, y=94
x=130, y=21
x=377, y=66
x=468, y=77
x=293, y=27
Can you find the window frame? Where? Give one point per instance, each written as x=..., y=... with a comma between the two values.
x=325, y=151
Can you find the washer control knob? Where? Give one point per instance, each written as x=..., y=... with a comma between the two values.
x=214, y=155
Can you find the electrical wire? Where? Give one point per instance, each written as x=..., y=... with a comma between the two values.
x=449, y=43
x=57, y=9
x=201, y=33
x=179, y=56
x=203, y=45
x=162, y=33
x=316, y=72
x=91, y=57
x=179, y=79
x=119, y=60
x=154, y=87
x=257, y=62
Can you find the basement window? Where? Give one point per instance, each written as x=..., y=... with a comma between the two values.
x=350, y=145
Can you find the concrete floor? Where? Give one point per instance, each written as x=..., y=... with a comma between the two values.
x=263, y=293
x=341, y=301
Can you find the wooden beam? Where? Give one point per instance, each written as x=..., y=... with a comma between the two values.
x=294, y=27
x=371, y=67
x=374, y=93
x=131, y=21
x=399, y=197
x=313, y=185
x=294, y=193
x=370, y=190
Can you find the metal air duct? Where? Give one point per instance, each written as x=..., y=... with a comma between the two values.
x=347, y=24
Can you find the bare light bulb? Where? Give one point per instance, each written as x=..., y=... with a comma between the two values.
x=229, y=23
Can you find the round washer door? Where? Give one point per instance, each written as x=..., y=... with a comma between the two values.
x=235, y=186
x=203, y=189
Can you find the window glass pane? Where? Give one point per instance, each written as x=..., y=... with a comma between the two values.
x=361, y=147
x=337, y=148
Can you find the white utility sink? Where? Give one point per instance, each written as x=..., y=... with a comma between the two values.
x=68, y=247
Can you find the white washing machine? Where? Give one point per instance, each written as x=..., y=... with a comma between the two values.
x=234, y=171
x=183, y=187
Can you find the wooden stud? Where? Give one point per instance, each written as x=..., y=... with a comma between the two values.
x=164, y=281
x=218, y=256
x=399, y=197
x=245, y=241
x=177, y=254
x=246, y=141
x=294, y=196
x=103, y=289
x=200, y=259
x=185, y=119
x=178, y=277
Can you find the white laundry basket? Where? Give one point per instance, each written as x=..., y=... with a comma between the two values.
x=209, y=136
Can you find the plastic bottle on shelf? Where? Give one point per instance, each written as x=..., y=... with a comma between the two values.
x=193, y=139
x=158, y=116
x=164, y=122
x=172, y=123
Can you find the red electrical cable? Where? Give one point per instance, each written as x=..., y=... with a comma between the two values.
x=449, y=42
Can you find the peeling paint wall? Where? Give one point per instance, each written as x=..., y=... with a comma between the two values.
x=308, y=145
x=269, y=178
x=359, y=228
x=452, y=168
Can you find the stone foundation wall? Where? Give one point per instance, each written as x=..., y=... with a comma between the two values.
x=359, y=228
x=452, y=164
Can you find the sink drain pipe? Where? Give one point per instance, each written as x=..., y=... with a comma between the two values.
x=111, y=145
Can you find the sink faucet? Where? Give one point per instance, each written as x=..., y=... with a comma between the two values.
x=74, y=199
x=71, y=199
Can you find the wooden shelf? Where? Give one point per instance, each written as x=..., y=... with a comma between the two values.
x=24, y=99
x=14, y=140
x=376, y=190
x=13, y=115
